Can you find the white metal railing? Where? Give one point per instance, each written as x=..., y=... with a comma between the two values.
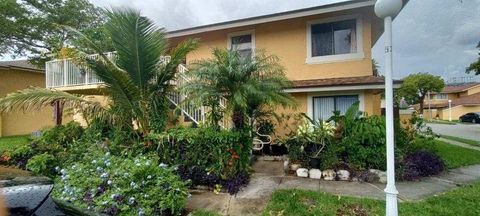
x=65, y=72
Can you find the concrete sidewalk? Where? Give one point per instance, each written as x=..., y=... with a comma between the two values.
x=269, y=177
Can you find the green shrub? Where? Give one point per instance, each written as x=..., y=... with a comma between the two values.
x=62, y=134
x=363, y=145
x=20, y=156
x=117, y=185
x=42, y=164
x=224, y=153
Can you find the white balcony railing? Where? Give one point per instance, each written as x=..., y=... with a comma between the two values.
x=65, y=73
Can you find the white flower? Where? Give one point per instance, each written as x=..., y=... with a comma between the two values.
x=138, y=164
x=146, y=196
x=104, y=202
x=133, y=184
x=108, y=164
x=104, y=175
x=57, y=168
x=147, y=163
x=63, y=171
x=94, y=161
x=107, y=154
x=131, y=200
x=99, y=169
x=163, y=165
x=149, y=177
x=126, y=175
x=109, y=182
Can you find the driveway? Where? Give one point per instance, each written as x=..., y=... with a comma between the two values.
x=462, y=130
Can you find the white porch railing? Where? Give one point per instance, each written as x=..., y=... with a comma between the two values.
x=65, y=73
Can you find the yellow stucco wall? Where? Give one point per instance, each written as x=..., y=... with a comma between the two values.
x=287, y=39
x=458, y=111
x=474, y=90
x=20, y=122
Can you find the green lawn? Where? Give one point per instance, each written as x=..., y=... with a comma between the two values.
x=455, y=156
x=202, y=212
x=443, y=122
x=463, y=140
x=12, y=142
x=461, y=201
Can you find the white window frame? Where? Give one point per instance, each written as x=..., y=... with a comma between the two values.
x=234, y=34
x=438, y=94
x=310, y=96
x=338, y=57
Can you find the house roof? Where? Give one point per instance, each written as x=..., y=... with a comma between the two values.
x=459, y=88
x=20, y=65
x=469, y=100
x=322, y=8
x=344, y=81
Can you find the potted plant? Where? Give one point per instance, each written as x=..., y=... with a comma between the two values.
x=315, y=135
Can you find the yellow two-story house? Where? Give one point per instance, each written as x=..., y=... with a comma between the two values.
x=453, y=101
x=326, y=51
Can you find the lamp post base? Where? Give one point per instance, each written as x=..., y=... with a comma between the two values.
x=391, y=198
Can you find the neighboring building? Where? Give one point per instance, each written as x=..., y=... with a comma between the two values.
x=326, y=50
x=18, y=75
x=465, y=98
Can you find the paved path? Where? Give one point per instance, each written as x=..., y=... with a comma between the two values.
x=462, y=130
x=464, y=145
x=269, y=177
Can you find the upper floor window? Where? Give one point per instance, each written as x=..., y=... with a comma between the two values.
x=243, y=42
x=334, y=40
x=441, y=96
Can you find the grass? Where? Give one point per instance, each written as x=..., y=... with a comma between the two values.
x=455, y=156
x=203, y=212
x=463, y=140
x=460, y=201
x=442, y=122
x=10, y=143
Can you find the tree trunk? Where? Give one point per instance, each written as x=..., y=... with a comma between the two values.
x=57, y=112
x=238, y=118
x=421, y=103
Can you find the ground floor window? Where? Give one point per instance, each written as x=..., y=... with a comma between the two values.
x=323, y=107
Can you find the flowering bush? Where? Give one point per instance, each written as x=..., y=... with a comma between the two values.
x=122, y=185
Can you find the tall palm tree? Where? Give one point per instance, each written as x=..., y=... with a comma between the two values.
x=136, y=82
x=248, y=84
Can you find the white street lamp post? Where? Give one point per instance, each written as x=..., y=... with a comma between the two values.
x=387, y=9
x=449, y=110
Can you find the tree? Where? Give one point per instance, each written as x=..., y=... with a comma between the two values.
x=137, y=84
x=416, y=86
x=34, y=27
x=248, y=84
x=475, y=66
x=375, y=67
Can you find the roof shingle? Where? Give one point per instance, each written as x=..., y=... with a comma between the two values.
x=20, y=65
x=344, y=81
x=458, y=88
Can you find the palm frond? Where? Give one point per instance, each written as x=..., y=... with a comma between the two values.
x=138, y=42
x=37, y=98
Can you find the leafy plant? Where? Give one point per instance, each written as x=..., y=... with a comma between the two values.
x=42, y=164
x=248, y=85
x=421, y=164
x=224, y=153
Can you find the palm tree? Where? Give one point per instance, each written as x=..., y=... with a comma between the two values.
x=248, y=84
x=136, y=82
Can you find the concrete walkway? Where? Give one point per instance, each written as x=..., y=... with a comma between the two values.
x=461, y=144
x=269, y=177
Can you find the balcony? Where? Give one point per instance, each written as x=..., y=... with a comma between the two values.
x=66, y=75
